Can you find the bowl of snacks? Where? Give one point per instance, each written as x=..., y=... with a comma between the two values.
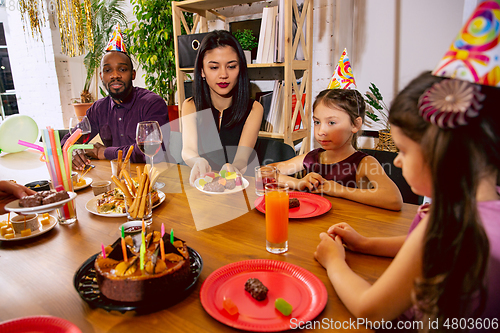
x=39, y=185
x=132, y=227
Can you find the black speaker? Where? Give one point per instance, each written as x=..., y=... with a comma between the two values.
x=188, y=48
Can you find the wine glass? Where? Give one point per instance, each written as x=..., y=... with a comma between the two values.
x=82, y=123
x=149, y=139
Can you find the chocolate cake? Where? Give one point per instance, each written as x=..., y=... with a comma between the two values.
x=55, y=197
x=43, y=198
x=256, y=289
x=126, y=282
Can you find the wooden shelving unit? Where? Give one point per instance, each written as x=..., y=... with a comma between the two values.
x=289, y=71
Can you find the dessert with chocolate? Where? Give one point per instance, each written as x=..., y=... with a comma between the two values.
x=43, y=198
x=124, y=281
x=55, y=197
x=214, y=186
x=256, y=289
x=219, y=182
x=293, y=203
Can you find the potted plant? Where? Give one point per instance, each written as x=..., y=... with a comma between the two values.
x=247, y=41
x=152, y=44
x=374, y=99
x=105, y=14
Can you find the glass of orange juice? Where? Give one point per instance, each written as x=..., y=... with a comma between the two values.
x=276, y=197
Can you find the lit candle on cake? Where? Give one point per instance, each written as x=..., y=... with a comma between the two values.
x=172, y=236
x=103, y=251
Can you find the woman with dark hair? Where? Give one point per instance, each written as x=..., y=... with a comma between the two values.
x=221, y=85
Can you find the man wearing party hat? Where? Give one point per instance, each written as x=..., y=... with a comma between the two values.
x=116, y=116
x=446, y=273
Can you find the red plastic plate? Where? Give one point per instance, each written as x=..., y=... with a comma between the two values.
x=39, y=324
x=310, y=205
x=299, y=287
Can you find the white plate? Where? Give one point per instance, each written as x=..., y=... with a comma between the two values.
x=91, y=206
x=88, y=181
x=13, y=206
x=234, y=190
x=43, y=229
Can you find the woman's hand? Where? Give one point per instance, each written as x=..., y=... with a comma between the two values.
x=311, y=181
x=200, y=167
x=10, y=191
x=230, y=168
x=350, y=237
x=329, y=250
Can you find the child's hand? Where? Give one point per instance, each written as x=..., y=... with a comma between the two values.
x=350, y=237
x=310, y=181
x=329, y=187
x=329, y=250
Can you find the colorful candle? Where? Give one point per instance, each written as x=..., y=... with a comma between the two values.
x=124, y=247
x=162, y=249
x=172, y=236
x=142, y=253
x=162, y=244
x=103, y=251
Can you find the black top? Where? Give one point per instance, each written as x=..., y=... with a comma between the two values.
x=220, y=147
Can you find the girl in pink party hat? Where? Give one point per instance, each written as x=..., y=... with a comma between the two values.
x=338, y=168
x=446, y=273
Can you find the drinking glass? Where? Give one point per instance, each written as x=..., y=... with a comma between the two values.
x=264, y=175
x=149, y=139
x=276, y=197
x=82, y=123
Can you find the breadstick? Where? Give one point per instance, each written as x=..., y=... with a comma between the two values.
x=122, y=187
x=129, y=181
x=119, y=162
x=145, y=191
x=127, y=157
x=138, y=170
x=136, y=202
x=127, y=194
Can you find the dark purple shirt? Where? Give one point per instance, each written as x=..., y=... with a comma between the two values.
x=117, y=123
x=343, y=172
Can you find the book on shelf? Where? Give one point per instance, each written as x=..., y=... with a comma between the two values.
x=267, y=35
x=265, y=98
x=280, y=49
x=298, y=122
x=273, y=103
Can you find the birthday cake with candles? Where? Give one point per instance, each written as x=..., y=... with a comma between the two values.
x=143, y=267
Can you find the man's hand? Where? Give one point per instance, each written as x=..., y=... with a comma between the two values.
x=97, y=152
x=80, y=160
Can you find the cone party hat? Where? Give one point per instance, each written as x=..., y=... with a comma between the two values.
x=474, y=54
x=116, y=42
x=342, y=76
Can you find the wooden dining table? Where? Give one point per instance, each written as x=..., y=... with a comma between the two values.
x=37, y=274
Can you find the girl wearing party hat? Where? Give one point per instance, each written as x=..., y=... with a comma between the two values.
x=446, y=273
x=338, y=168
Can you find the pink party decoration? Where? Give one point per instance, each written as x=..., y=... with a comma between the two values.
x=342, y=76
